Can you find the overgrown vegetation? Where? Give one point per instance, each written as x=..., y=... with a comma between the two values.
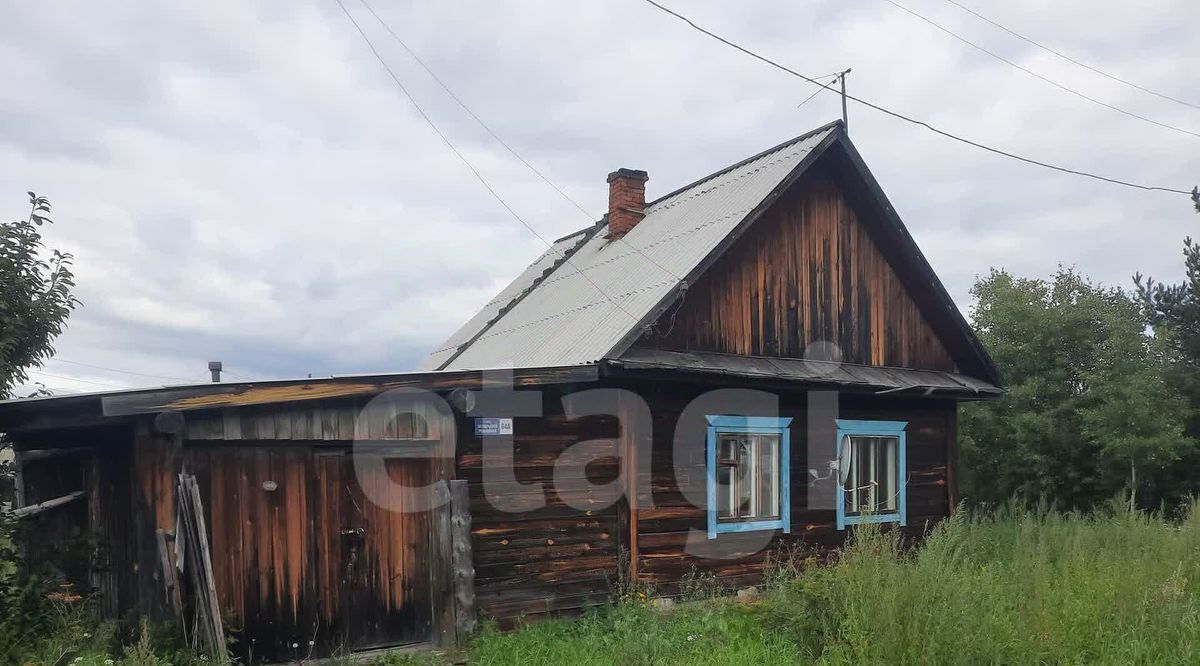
x=1036, y=586
x=1095, y=403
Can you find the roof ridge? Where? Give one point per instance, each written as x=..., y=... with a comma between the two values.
x=741, y=163
x=604, y=218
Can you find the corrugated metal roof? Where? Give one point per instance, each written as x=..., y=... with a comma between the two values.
x=566, y=319
x=528, y=278
x=811, y=372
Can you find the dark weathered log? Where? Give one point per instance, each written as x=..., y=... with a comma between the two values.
x=46, y=454
x=41, y=507
x=462, y=560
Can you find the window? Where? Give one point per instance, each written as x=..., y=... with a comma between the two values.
x=871, y=458
x=748, y=474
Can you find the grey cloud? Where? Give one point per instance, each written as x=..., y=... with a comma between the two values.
x=243, y=181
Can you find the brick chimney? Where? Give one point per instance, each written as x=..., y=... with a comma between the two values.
x=626, y=200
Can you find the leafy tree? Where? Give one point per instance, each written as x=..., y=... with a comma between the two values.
x=1089, y=409
x=35, y=295
x=1173, y=312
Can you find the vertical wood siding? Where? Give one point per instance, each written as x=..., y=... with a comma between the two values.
x=807, y=271
x=315, y=559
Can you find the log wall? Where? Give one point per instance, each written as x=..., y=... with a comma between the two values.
x=679, y=513
x=550, y=544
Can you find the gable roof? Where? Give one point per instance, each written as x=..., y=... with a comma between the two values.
x=589, y=298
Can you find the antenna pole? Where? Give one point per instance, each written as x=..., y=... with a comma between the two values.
x=845, y=118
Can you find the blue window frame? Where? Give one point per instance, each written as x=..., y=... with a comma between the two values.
x=760, y=442
x=875, y=487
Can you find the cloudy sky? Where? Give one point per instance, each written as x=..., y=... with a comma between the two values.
x=243, y=181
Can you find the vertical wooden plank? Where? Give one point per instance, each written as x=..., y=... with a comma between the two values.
x=233, y=423
x=347, y=415
x=200, y=567
x=329, y=424
x=462, y=560
x=301, y=422
x=264, y=424
x=283, y=422
x=170, y=575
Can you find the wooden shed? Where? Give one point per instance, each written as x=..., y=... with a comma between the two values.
x=757, y=361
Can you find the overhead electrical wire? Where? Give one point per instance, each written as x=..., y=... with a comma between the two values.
x=817, y=92
x=1034, y=74
x=496, y=136
x=911, y=120
x=126, y=372
x=76, y=379
x=445, y=139
x=1069, y=59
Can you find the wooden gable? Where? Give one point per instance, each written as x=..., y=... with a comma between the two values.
x=810, y=269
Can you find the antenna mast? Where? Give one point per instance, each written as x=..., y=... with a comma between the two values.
x=845, y=118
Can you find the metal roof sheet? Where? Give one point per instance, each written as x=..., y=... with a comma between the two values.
x=496, y=306
x=565, y=318
x=806, y=371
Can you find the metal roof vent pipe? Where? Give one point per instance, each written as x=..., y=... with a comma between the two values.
x=626, y=200
x=215, y=368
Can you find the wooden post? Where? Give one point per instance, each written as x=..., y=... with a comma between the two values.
x=440, y=569
x=845, y=116
x=631, y=471
x=952, y=459
x=462, y=560
x=18, y=479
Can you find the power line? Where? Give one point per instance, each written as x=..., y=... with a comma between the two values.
x=52, y=389
x=908, y=119
x=817, y=92
x=467, y=163
x=1034, y=74
x=126, y=372
x=1068, y=58
x=76, y=379
x=496, y=136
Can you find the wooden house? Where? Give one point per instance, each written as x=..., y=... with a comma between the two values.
x=754, y=362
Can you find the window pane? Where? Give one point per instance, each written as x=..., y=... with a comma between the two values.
x=728, y=448
x=768, y=475
x=874, y=476
x=747, y=479
x=724, y=491
x=890, y=482
x=747, y=476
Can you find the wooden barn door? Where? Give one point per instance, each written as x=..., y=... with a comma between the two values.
x=382, y=552
x=305, y=563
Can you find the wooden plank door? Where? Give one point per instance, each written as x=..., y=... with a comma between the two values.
x=384, y=577
x=305, y=563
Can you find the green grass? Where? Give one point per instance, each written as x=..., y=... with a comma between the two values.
x=1019, y=588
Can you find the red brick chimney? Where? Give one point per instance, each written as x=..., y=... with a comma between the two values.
x=626, y=200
